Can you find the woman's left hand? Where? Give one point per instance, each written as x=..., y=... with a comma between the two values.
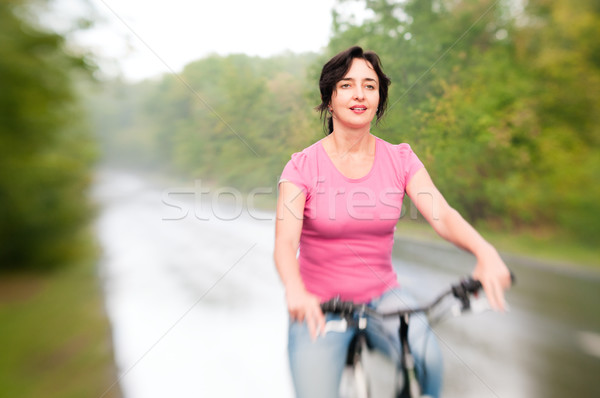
x=494, y=276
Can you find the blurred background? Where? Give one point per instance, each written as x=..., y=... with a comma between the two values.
x=141, y=144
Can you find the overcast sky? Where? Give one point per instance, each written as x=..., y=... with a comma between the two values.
x=148, y=38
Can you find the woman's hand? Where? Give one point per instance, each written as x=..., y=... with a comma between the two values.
x=304, y=306
x=494, y=277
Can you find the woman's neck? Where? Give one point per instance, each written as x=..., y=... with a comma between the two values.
x=351, y=143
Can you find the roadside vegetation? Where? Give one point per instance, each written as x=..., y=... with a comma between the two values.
x=55, y=335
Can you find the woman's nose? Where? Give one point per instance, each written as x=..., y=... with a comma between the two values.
x=358, y=93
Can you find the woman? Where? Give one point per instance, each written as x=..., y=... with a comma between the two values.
x=339, y=202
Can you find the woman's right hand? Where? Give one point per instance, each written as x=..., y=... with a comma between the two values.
x=304, y=306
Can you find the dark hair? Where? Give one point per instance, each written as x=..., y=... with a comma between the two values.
x=335, y=70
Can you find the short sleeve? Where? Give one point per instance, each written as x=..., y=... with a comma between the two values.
x=410, y=162
x=295, y=171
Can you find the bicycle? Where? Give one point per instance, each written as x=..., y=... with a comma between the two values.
x=356, y=383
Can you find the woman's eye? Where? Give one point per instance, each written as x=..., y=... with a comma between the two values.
x=345, y=85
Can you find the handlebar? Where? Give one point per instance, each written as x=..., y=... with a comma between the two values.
x=461, y=291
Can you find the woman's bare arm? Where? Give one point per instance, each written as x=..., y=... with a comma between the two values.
x=450, y=225
x=302, y=306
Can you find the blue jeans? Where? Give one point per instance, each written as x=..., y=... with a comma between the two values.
x=317, y=366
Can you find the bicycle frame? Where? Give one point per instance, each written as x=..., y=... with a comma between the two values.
x=359, y=345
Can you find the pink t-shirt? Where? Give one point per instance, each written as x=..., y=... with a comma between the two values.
x=348, y=227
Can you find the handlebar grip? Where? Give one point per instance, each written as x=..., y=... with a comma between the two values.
x=469, y=286
x=472, y=286
x=336, y=305
x=329, y=306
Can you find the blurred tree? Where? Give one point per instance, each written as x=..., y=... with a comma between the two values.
x=233, y=119
x=46, y=151
x=557, y=41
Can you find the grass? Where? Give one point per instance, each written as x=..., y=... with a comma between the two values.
x=55, y=336
x=543, y=246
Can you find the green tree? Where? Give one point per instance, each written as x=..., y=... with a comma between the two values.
x=46, y=151
x=228, y=119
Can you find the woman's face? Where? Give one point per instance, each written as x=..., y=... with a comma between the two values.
x=356, y=97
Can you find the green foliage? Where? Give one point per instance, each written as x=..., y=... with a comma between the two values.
x=233, y=119
x=46, y=151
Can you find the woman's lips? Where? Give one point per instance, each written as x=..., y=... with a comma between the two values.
x=359, y=109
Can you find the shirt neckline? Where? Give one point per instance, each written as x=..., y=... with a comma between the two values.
x=366, y=176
